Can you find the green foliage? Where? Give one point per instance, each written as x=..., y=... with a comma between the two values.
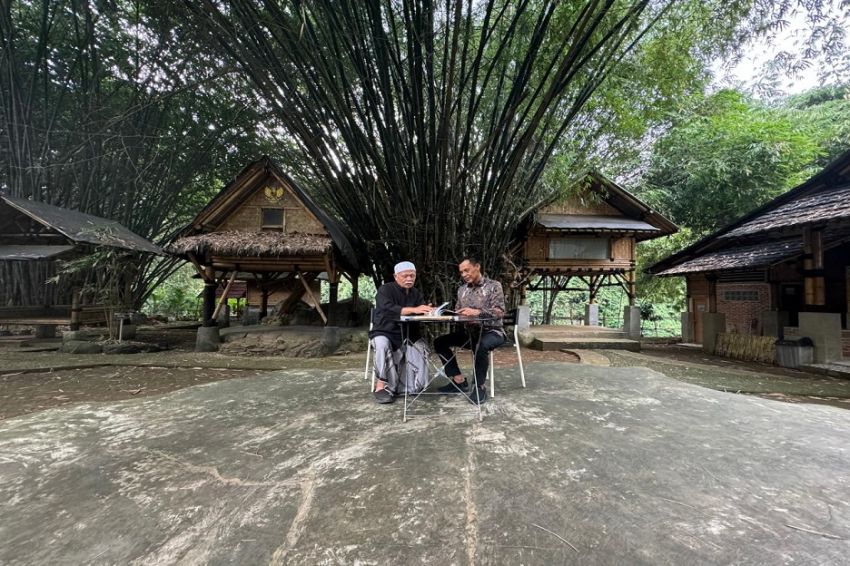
x=728, y=158
x=177, y=296
x=661, y=289
x=825, y=115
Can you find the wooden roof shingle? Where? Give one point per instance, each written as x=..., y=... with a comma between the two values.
x=738, y=258
x=79, y=227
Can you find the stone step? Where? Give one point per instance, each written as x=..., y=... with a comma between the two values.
x=576, y=331
x=552, y=344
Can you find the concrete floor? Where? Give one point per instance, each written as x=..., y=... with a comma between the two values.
x=589, y=465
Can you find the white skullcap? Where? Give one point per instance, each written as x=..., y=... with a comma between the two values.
x=404, y=266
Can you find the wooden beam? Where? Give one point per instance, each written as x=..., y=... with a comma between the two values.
x=224, y=296
x=813, y=279
x=198, y=268
x=313, y=298
x=209, y=295
x=712, y=293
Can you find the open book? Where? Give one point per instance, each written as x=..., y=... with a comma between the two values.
x=442, y=310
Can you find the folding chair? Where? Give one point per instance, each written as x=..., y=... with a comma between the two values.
x=369, y=352
x=512, y=340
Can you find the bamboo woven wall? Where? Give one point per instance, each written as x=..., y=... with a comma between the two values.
x=747, y=347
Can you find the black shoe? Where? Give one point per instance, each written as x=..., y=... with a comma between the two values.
x=383, y=397
x=453, y=388
x=480, y=399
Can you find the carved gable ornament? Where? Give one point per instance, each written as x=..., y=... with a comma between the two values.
x=274, y=194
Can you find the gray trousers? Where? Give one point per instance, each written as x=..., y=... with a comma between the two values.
x=413, y=376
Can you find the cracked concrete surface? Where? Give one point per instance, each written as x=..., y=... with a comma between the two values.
x=588, y=465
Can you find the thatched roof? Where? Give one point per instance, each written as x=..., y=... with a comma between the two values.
x=79, y=227
x=233, y=194
x=252, y=244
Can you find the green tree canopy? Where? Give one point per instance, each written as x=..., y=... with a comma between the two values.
x=729, y=157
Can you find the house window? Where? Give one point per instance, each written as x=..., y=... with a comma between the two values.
x=272, y=219
x=745, y=296
x=578, y=248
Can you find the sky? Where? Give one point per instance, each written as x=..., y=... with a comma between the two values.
x=748, y=70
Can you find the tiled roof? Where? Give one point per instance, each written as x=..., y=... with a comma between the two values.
x=758, y=255
x=822, y=206
x=20, y=253
x=80, y=227
x=584, y=222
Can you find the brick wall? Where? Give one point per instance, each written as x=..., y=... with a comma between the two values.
x=743, y=304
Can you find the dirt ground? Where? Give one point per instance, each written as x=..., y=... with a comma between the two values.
x=692, y=365
x=33, y=381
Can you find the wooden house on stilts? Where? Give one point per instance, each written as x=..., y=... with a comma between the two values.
x=584, y=242
x=262, y=228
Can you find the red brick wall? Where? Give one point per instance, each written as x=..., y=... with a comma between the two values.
x=743, y=316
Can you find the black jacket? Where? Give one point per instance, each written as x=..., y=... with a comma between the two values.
x=389, y=301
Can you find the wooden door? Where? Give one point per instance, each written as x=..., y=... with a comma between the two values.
x=700, y=306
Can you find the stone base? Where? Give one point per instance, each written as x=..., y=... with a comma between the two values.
x=687, y=319
x=824, y=329
x=81, y=347
x=713, y=323
x=45, y=331
x=631, y=322
x=208, y=339
x=772, y=323
x=128, y=331
x=591, y=314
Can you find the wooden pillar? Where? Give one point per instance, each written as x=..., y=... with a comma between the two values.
x=209, y=295
x=593, y=288
x=333, y=297
x=632, y=288
x=264, y=296
x=76, y=309
x=813, y=279
x=712, y=292
x=355, y=294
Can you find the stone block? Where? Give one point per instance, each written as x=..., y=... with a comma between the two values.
x=772, y=323
x=713, y=323
x=81, y=347
x=824, y=329
x=591, y=314
x=127, y=331
x=208, y=339
x=687, y=319
x=45, y=331
x=631, y=322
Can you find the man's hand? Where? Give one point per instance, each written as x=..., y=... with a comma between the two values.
x=421, y=309
x=467, y=311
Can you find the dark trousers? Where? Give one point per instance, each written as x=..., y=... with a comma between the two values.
x=489, y=340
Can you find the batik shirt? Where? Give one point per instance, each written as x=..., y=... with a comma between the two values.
x=488, y=297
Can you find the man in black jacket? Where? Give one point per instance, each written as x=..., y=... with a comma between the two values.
x=392, y=301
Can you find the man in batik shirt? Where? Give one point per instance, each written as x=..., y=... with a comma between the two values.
x=477, y=297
